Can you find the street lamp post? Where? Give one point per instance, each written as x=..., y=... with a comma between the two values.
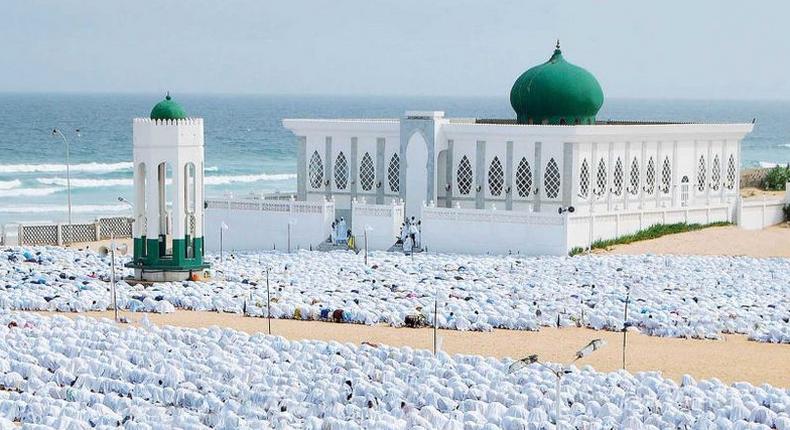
x=56, y=132
x=291, y=222
x=366, y=230
x=588, y=349
x=222, y=228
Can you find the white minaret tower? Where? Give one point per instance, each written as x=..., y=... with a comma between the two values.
x=168, y=186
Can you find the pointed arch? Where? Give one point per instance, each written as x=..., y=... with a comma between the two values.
x=617, y=177
x=496, y=177
x=316, y=171
x=524, y=178
x=367, y=172
x=551, y=179
x=584, y=179
x=464, y=176
x=634, y=178
x=341, y=171
x=393, y=173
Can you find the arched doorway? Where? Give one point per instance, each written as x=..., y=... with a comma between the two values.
x=416, y=173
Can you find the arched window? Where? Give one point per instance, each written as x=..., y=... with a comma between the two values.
x=393, y=173
x=584, y=179
x=367, y=173
x=316, y=171
x=715, y=173
x=524, y=178
x=666, y=176
x=650, y=177
x=617, y=177
x=634, y=181
x=464, y=176
x=496, y=177
x=731, y=172
x=701, y=171
x=551, y=180
x=600, y=179
x=341, y=171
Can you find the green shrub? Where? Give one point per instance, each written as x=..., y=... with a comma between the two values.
x=777, y=178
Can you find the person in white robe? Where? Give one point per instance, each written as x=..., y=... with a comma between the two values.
x=342, y=231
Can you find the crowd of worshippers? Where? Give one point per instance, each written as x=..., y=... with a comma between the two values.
x=410, y=231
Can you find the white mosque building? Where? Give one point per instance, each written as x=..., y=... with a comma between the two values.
x=549, y=180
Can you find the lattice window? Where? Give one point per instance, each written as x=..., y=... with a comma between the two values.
x=316, y=172
x=701, y=171
x=715, y=173
x=666, y=176
x=600, y=179
x=617, y=177
x=584, y=179
x=367, y=173
x=731, y=172
x=524, y=178
x=650, y=177
x=634, y=182
x=496, y=177
x=464, y=176
x=551, y=180
x=393, y=173
x=341, y=171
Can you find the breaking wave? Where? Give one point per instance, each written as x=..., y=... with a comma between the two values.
x=84, y=167
x=7, y=185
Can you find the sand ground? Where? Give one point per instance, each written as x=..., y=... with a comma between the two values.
x=728, y=240
x=732, y=359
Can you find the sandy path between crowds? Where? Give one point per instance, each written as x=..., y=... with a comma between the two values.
x=728, y=240
x=733, y=359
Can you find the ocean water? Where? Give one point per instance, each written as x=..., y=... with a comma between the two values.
x=247, y=149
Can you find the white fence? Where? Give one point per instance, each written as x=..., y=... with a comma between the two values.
x=64, y=234
x=756, y=214
x=584, y=229
x=490, y=231
x=383, y=223
x=265, y=224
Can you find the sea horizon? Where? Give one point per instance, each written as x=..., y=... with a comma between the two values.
x=248, y=150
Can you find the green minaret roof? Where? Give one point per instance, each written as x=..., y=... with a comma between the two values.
x=556, y=92
x=168, y=109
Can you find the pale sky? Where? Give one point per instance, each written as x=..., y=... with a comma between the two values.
x=710, y=49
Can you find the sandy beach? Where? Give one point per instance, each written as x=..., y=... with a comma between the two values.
x=732, y=359
x=728, y=240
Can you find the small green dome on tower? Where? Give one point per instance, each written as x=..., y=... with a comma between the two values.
x=168, y=109
x=556, y=92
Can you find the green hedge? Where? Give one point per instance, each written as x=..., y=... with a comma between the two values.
x=652, y=232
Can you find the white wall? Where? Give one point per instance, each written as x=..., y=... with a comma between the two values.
x=385, y=221
x=481, y=231
x=263, y=224
x=756, y=214
x=586, y=228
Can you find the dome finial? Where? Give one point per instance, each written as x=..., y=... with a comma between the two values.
x=167, y=96
x=558, y=43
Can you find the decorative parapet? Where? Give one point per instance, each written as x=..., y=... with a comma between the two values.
x=491, y=215
x=287, y=206
x=166, y=122
x=59, y=234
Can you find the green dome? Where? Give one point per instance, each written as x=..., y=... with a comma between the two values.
x=168, y=109
x=556, y=92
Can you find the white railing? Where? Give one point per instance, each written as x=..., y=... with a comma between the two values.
x=491, y=215
x=64, y=234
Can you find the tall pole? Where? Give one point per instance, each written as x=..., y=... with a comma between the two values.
x=220, y=244
x=435, y=320
x=112, y=275
x=68, y=178
x=557, y=401
x=268, y=302
x=289, y=237
x=625, y=322
x=366, y=246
